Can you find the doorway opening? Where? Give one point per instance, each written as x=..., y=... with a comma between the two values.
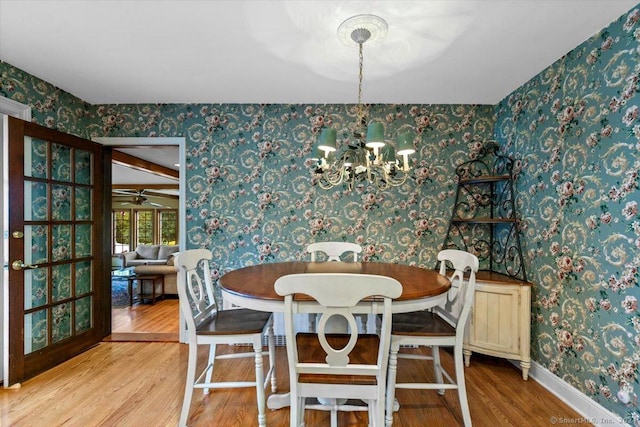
x=147, y=187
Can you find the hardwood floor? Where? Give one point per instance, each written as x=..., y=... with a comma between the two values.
x=146, y=322
x=141, y=384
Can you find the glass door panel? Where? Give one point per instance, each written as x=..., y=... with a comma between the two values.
x=36, y=158
x=60, y=282
x=36, y=244
x=35, y=331
x=36, y=201
x=83, y=205
x=83, y=240
x=61, y=207
x=36, y=289
x=60, y=162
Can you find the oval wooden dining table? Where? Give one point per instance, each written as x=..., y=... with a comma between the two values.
x=253, y=287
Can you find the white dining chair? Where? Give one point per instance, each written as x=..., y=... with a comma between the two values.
x=334, y=366
x=206, y=325
x=443, y=326
x=334, y=250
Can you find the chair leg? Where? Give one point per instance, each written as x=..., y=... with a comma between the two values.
x=260, y=397
x=188, y=390
x=210, y=362
x=271, y=341
x=294, y=408
x=300, y=416
x=296, y=411
x=379, y=406
x=462, y=388
x=437, y=367
x=376, y=412
x=334, y=413
x=392, y=371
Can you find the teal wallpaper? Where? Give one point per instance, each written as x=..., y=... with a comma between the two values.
x=573, y=130
x=50, y=106
x=250, y=195
x=576, y=131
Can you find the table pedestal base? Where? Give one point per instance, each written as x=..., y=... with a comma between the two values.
x=278, y=401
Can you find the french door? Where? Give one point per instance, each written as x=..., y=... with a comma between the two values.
x=58, y=282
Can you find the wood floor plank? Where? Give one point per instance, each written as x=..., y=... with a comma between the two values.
x=148, y=318
x=142, y=384
x=143, y=337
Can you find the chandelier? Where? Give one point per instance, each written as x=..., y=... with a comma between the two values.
x=370, y=158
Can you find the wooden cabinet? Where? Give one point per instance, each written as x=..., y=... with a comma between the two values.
x=500, y=320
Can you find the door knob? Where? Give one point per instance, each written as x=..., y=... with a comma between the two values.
x=19, y=265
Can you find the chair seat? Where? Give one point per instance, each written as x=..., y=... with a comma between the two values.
x=240, y=321
x=365, y=352
x=421, y=323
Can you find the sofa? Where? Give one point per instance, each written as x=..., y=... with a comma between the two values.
x=151, y=260
x=148, y=255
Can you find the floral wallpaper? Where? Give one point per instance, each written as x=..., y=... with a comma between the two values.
x=251, y=198
x=50, y=106
x=576, y=132
x=573, y=132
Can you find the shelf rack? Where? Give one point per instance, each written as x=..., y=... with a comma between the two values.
x=483, y=219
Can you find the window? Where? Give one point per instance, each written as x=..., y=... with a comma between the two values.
x=144, y=227
x=168, y=227
x=121, y=221
x=133, y=227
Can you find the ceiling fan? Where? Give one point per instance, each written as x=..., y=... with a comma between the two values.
x=138, y=198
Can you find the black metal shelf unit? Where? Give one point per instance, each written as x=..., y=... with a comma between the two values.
x=483, y=220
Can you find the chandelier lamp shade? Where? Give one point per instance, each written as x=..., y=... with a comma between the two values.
x=370, y=157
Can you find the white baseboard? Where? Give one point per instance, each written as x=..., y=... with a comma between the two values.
x=590, y=410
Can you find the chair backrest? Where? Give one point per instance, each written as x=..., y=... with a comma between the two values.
x=464, y=267
x=336, y=294
x=195, y=287
x=334, y=250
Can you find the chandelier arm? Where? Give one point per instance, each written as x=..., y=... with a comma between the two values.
x=333, y=176
x=387, y=180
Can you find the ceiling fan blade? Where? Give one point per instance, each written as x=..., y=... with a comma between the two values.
x=124, y=192
x=156, y=205
x=160, y=194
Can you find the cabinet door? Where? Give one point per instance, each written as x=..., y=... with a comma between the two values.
x=494, y=325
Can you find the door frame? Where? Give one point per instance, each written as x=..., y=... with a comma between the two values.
x=16, y=109
x=182, y=209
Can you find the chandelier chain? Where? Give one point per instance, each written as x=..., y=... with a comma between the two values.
x=361, y=66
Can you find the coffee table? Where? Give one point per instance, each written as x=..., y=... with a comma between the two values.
x=155, y=279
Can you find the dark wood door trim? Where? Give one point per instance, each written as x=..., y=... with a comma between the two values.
x=23, y=366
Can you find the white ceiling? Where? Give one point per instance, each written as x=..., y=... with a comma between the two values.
x=442, y=52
